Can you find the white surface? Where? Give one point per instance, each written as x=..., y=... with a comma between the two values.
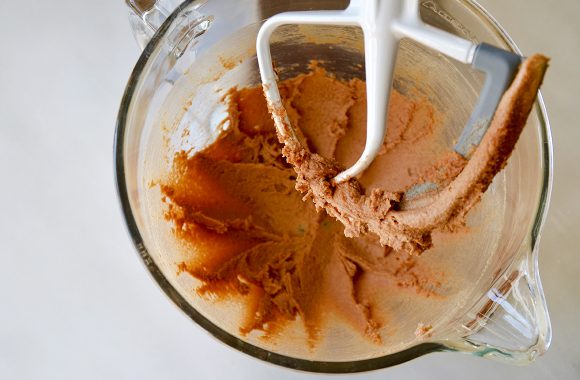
x=75, y=300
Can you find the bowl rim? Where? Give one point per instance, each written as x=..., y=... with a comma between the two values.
x=389, y=360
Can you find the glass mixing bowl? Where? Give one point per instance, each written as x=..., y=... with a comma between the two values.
x=494, y=305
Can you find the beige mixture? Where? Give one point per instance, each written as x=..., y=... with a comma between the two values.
x=235, y=203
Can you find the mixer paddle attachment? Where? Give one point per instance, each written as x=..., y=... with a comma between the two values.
x=384, y=24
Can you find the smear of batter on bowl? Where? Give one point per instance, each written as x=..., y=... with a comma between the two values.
x=235, y=204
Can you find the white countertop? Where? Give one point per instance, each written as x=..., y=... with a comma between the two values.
x=75, y=299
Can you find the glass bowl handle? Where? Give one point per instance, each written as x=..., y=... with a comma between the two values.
x=146, y=16
x=511, y=321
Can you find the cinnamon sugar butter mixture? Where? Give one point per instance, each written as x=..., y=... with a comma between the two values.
x=235, y=205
